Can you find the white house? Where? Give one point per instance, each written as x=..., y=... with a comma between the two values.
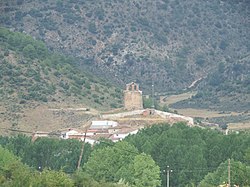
x=72, y=134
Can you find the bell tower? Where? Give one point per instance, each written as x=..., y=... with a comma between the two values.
x=133, y=97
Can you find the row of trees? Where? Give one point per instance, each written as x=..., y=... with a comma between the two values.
x=196, y=156
x=47, y=152
x=191, y=153
x=14, y=173
x=117, y=163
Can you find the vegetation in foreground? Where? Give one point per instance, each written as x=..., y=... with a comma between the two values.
x=196, y=156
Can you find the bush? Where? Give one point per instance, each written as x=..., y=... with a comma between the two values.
x=92, y=28
x=29, y=51
x=223, y=45
x=200, y=60
x=113, y=105
x=87, y=85
x=100, y=14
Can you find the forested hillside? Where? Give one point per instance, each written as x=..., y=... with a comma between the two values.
x=172, y=42
x=30, y=75
x=196, y=156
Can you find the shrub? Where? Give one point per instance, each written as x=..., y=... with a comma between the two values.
x=92, y=28
x=29, y=51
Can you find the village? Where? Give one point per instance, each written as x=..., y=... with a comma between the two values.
x=115, y=126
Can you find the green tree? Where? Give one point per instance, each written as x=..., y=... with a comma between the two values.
x=247, y=156
x=57, y=154
x=122, y=161
x=240, y=175
x=82, y=179
x=12, y=171
x=147, y=102
x=19, y=145
x=145, y=172
x=41, y=49
x=53, y=178
x=14, y=40
x=29, y=51
x=109, y=163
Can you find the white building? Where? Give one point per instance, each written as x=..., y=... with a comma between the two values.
x=103, y=124
x=72, y=134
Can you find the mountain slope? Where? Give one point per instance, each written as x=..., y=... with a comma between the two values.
x=129, y=37
x=169, y=42
x=226, y=89
x=31, y=76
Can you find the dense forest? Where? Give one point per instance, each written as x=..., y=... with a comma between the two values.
x=194, y=155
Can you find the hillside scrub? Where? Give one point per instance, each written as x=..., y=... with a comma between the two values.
x=30, y=72
x=175, y=41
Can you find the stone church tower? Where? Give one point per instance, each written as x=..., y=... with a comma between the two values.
x=133, y=97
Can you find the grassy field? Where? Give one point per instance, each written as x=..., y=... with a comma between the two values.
x=203, y=113
x=176, y=98
x=239, y=126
